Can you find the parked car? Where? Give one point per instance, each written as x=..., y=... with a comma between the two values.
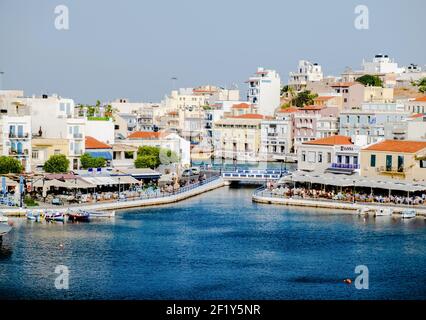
x=188, y=173
x=195, y=170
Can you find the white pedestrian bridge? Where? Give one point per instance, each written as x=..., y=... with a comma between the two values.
x=253, y=176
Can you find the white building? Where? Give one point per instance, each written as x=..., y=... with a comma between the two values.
x=335, y=154
x=264, y=91
x=54, y=117
x=16, y=138
x=381, y=64
x=276, y=138
x=306, y=72
x=102, y=130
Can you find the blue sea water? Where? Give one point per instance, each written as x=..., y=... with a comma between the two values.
x=218, y=245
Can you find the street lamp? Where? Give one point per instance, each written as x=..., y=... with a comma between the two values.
x=118, y=188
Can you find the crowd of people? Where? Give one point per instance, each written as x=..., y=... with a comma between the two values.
x=347, y=195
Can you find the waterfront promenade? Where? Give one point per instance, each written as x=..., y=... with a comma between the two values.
x=264, y=196
x=186, y=192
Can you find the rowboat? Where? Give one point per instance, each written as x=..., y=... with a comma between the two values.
x=365, y=211
x=79, y=216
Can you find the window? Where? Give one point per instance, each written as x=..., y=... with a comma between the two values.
x=35, y=154
x=423, y=164
x=303, y=156
x=400, y=163
x=311, y=156
x=355, y=160
x=128, y=155
x=328, y=157
x=388, y=162
x=320, y=157
x=373, y=160
x=57, y=151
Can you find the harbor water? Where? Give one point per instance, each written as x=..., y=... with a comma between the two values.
x=219, y=245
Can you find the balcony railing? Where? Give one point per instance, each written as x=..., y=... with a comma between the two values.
x=345, y=166
x=392, y=170
x=18, y=136
x=13, y=152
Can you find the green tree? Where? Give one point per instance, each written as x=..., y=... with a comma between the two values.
x=303, y=98
x=10, y=165
x=88, y=161
x=152, y=157
x=146, y=161
x=57, y=163
x=421, y=84
x=370, y=80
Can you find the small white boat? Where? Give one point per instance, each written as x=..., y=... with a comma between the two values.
x=4, y=229
x=102, y=214
x=383, y=212
x=365, y=211
x=408, y=213
x=35, y=216
x=3, y=219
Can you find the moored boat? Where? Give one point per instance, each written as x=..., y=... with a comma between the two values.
x=35, y=216
x=55, y=216
x=408, y=213
x=383, y=212
x=3, y=219
x=102, y=214
x=79, y=216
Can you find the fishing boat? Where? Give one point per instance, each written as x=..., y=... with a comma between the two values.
x=35, y=216
x=383, y=212
x=79, y=216
x=101, y=214
x=408, y=213
x=4, y=229
x=55, y=216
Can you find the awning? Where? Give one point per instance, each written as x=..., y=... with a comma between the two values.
x=110, y=180
x=100, y=154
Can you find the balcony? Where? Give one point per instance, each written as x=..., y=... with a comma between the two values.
x=272, y=134
x=18, y=136
x=401, y=171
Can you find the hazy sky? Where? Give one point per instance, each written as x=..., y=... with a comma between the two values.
x=132, y=49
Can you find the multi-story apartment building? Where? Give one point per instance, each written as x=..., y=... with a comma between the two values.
x=412, y=128
x=264, y=91
x=276, y=137
x=238, y=137
x=367, y=125
x=43, y=148
x=306, y=72
x=313, y=122
x=55, y=117
x=15, y=127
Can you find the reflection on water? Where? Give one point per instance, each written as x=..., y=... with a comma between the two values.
x=218, y=245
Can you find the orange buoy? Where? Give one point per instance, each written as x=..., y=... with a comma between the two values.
x=347, y=281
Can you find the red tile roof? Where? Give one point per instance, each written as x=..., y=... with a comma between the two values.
x=312, y=107
x=241, y=106
x=421, y=99
x=289, y=110
x=148, y=135
x=417, y=115
x=250, y=116
x=92, y=143
x=405, y=146
x=331, y=141
x=322, y=98
x=343, y=84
